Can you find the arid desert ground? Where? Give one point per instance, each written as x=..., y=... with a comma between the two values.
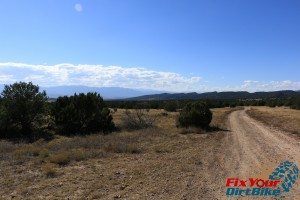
x=164, y=162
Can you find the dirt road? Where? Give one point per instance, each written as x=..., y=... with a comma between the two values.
x=254, y=150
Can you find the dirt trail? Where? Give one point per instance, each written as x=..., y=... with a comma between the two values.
x=253, y=150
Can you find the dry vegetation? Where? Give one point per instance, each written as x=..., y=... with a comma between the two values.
x=283, y=118
x=153, y=163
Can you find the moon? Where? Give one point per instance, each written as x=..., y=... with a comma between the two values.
x=78, y=7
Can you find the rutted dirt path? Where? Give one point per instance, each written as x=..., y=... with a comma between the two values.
x=254, y=150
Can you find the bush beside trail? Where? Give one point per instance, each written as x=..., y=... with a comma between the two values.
x=195, y=114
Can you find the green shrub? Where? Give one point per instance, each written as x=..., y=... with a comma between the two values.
x=295, y=102
x=195, y=114
x=82, y=114
x=171, y=106
x=272, y=104
x=21, y=105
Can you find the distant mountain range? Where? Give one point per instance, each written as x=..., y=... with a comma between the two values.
x=217, y=95
x=146, y=95
x=106, y=92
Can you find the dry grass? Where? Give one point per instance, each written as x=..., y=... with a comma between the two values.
x=28, y=150
x=122, y=148
x=65, y=157
x=138, y=119
x=283, y=118
x=61, y=158
x=6, y=147
x=49, y=170
x=155, y=163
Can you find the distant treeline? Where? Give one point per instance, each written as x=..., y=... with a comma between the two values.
x=292, y=102
x=282, y=94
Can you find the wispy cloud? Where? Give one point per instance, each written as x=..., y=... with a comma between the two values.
x=252, y=85
x=130, y=77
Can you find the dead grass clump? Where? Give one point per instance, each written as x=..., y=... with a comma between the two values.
x=44, y=153
x=122, y=148
x=95, y=141
x=65, y=157
x=28, y=150
x=49, y=170
x=6, y=147
x=79, y=155
x=88, y=142
x=137, y=119
x=62, y=158
x=161, y=149
x=59, y=144
x=132, y=148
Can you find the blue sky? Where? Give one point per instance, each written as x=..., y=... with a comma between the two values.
x=167, y=45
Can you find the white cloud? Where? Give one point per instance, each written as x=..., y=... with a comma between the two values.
x=98, y=76
x=132, y=77
x=78, y=7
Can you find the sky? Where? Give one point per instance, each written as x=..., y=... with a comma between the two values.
x=167, y=45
